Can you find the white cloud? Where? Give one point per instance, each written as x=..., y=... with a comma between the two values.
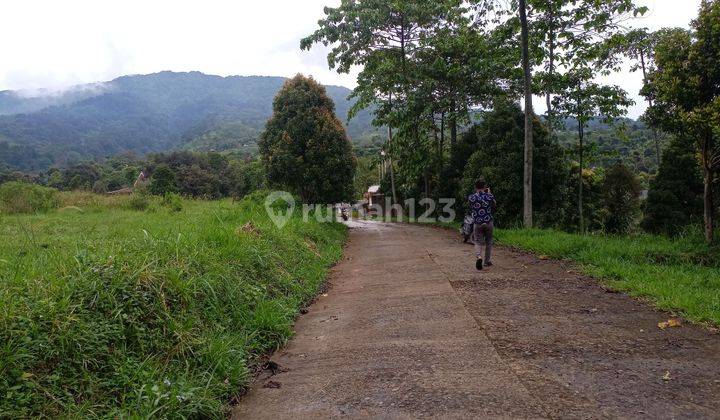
x=54, y=44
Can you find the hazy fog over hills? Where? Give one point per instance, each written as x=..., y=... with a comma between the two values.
x=144, y=113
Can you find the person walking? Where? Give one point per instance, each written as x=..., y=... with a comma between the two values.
x=482, y=206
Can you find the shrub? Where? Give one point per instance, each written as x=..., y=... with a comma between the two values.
x=138, y=201
x=100, y=187
x=163, y=181
x=675, y=199
x=173, y=202
x=621, y=197
x=19, y=197
x=592, y=179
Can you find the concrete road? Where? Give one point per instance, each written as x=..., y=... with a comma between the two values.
x=410, y=329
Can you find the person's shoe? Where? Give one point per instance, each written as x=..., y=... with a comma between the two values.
x=479, y=264
x=488, y=264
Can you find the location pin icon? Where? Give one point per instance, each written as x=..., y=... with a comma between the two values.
x=279, y=214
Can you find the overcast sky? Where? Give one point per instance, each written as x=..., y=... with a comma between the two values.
x=55, y=44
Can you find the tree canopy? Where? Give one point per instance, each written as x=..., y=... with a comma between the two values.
x=304, y=146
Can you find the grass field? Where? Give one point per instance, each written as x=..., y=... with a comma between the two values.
x=681, y=275
x=111, y=312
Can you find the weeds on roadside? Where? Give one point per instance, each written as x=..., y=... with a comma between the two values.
x=113, y=314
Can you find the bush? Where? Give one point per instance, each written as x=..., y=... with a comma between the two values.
x=163, y=181
x=675, y=199
x=173, y=202
x=19, y=197
x=621, y=197
x=592, y=179
x=100, y=187
x=138, y=201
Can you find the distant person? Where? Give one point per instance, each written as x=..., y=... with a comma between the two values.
x=482, y=205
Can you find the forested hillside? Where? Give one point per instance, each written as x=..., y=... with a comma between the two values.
x=628, y=141
x=147, y=113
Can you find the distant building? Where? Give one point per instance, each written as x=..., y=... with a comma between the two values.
x=374, y=199
x=141, y=181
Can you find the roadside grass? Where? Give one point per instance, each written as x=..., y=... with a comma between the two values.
x=111, y=312
x=680, y=275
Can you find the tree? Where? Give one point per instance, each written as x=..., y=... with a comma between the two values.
x=425, y=65
x=558, y=34
x=583, y=99
x=639, y=46
x=244, y=177
x=382, y=37
x=621, y=196
x=304, y=146
x=496, y=149
x=568, y=31
x=163, y=181
x=527, y=82
x=685, y=90
x=81, y=176
x=675, y=198
x=592, y=186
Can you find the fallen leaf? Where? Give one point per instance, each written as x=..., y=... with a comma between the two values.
x=248, y=228
x=670, y=323
x=544, y=257
x=666, y=376
x=26, y=375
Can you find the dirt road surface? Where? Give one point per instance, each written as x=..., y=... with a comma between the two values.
x=409, y=329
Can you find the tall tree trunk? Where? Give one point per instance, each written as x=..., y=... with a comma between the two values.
x=581, y=137
x=656, y=136
x=427, y=183
x=551, y=67
x=709, y=208
x=453, y=123
x=528, y=158
x=708, y=178
x=441, y=147
x=392, y=171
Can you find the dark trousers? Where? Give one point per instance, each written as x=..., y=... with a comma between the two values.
x=483, y=236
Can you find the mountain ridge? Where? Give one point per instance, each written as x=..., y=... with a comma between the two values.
x=142, y=114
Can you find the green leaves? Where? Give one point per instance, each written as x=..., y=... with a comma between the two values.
x=305, y=147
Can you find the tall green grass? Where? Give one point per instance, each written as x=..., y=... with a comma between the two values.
x=681, y=275
x=122, y=313
x=24, y=198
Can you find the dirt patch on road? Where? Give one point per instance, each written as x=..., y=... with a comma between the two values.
x=584, y=351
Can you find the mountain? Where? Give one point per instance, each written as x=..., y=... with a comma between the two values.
x=145, y=113
x=629, y=141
